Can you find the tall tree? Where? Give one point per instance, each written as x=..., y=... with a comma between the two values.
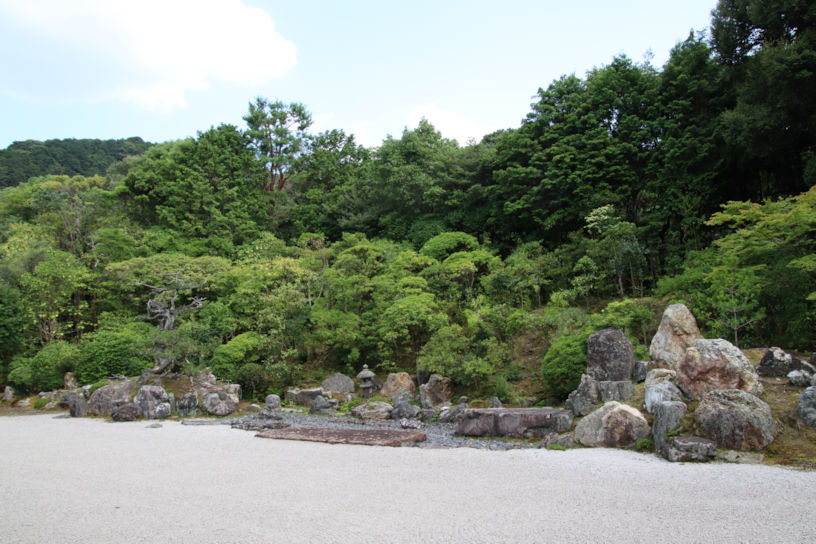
x=278, y=133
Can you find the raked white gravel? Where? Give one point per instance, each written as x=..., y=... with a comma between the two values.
x=89, y=481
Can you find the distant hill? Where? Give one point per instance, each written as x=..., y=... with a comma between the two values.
x=23, y=160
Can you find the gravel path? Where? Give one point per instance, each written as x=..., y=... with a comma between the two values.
x=88, y=480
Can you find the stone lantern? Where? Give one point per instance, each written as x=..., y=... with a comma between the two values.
x=366, y=383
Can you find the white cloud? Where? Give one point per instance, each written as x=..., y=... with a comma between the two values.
x=450, y=124
x=148, y=52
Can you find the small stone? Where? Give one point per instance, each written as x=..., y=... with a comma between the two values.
x=495, y=403
x=740, y=457
x=254, y=408
x=23, y=403
x=405, y=410
x=320, y=406
x=806, y=406
x=689, y=448
x=154, y=426
x=272, y=403
x=410, y=423
x=8, y=394
x=372, y=410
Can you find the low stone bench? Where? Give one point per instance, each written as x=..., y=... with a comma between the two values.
x=514, y=422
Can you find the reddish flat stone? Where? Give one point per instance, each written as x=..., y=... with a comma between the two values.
x=366, y=437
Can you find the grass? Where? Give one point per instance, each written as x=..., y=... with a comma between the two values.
x=795, y=443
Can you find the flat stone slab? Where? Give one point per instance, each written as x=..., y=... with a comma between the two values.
x=365, y=437
x=514, y=422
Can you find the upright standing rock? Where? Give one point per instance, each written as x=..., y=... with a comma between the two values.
x=710, y=365
x=437, y=392
x=677, y=331
x=807, y=406
x=610, y=356
x=396, y=381
x=153, y=402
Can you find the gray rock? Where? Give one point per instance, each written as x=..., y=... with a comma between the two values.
x=658, y=375
x=106, y=398
x=405, y=410
x=304, y=397
x=565, y=440
x=427, y=414
x=582, y=401
x=777, y=362
x=689, y=448
x=153, y=402
x=736, y=420
x=495, y=403
x=614, y=425
x=23, y=403
x=272, y=403
x=611, y=390
x=640, y=369
x=320, y=406
x=711, y=365
x=254, y=408
x=677, y=331
x=610, y=356
x=807, y=406
x=372, y=410
x=79, y=407
x=664, y=391
x=591, y=392
x=69, y=381
x=338, y=383
x=452, y=415
x=436, y=393
x=513, y=422
x=410, y=423
x=154, y=426
x=402, y=395
x=125, y=412
x=8, y=394
x=813, y=381
x=219, y=403
x=799, y=378
x=187, y=405
x=86, y=391
x=667, y=417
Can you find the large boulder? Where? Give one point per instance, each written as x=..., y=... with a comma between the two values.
x=689, y=448
x=219, y=403
x=125, y=412
x=667, y=417
x=105, y=399
x=614, y=425
x=610, y=356
x=402, y=395
x=591, y=392
x=777, y=362
x=373, y=410
x=437, y=392
x=405, y=410
x=153, y=402
x=187, y=405
x=807, y=406
x=76, y=404
x=513, y=422
x=452, y=415
x=677, y=331
x=736, y=420
x=320, y=406
x=304, y=397
x=396, y=381
x=338, y=383
x=711, y=365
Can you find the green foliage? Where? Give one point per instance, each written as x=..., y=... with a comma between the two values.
x=242, y=349
x=644, y=445
x=50, y=364
x=41, y=402
x=556, y=447
x=446, y=244
x=451, y=353
x=97, y=385
x=252, y=378
x=564, y=363
x=119, y=350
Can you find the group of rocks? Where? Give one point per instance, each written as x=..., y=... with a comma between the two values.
x=144, y=397
x=684, y=366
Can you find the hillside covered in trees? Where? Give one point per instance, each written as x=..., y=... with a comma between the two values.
x=30, y=158
x=265, y=252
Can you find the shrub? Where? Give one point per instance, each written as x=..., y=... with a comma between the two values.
x=97, y=385
x=644, y=445
x=41, y=402
x=228, y=357
x=556, y=447
x=50, y=364
x=451, y=353
x=124, y=350
x=564, y=363
x=252, y=378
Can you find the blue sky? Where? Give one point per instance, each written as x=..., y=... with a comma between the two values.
x=166, y=69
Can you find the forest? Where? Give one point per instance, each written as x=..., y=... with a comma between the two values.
x=272, y=255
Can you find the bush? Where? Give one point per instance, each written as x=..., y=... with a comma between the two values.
x=40, y=403
x=228, y=357
x=644, y=445
x=252, y=378
x=49, y=365
x=564, y=363
x=451, y=353
x=556, y=447
x=123, y=350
